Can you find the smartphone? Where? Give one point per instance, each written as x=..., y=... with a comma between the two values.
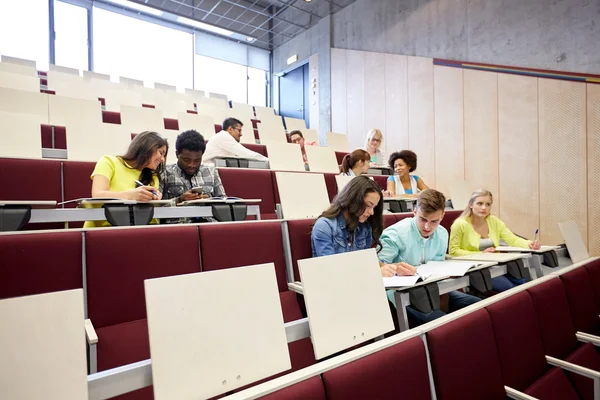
x=202, y=190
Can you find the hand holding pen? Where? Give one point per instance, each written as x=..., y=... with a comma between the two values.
x=535, y=245
x=144, y=193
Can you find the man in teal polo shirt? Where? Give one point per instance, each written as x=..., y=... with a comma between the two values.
x=417, y=240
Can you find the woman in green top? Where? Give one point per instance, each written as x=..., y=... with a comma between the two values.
x=373, y=147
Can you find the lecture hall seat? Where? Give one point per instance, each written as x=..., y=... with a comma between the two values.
x=463, y=348
x=255, y=243
x=582, y=301
x=521, y=350
x=40, y=263
x=118, y=261
x=251, y=184
x=399, y=371
x=559, y=335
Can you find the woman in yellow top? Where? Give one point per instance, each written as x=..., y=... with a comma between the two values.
x=477, y=230
x=115, y=176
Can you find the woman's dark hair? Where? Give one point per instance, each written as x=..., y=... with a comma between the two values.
x=140, y=151
x=409, y=157
x=352, y=200
x=350, y=160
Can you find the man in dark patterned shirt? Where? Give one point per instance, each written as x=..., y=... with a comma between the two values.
x=178, y=179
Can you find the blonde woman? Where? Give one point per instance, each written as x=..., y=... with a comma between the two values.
x=477, y=230
x=373, y=146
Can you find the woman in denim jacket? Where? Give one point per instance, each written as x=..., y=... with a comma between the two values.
x=353, y=222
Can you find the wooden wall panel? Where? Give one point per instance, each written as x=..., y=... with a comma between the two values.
x=518, y=153
x=355, y=98
x=593, y=147
x=338, y=91
x=374, y=94
x=420, y=116
x=396, y=103
x=449, y=137
x=563, y=157
x=481, y=132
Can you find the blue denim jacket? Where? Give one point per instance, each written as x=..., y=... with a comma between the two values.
x=330, y=236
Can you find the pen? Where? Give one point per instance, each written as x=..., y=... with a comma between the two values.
x=141, y=184
x=535, y=238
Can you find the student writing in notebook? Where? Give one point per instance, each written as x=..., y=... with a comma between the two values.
x=116, y=176
x=402, y=182
x=418, y=240
x=353, y=222
x=477, y=230
x=356, y=163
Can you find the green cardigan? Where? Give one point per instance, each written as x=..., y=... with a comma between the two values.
x=464, y=240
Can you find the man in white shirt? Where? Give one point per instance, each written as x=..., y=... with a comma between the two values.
x=227, y=144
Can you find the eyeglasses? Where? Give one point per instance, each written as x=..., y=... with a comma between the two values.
x=375, y=140
x=239, y=129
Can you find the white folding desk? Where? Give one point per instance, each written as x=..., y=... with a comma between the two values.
x=345, y=300
x=204, y=344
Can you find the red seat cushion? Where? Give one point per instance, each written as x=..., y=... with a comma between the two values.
x=554, y=318
x=389, y=220
x=30, y=179
x=40, y=263
x=331, y=185
x=463, y=348
x=449, y=218
x=259, y=148
x=123, y=344
x=593, y=269
x=251, y=184
x=300, y=244
x=60, y=137
x=289, y=306
x=552, y=385
x=172, y=124
x=582, y=302
x=255, y=243
x=77, y=180
x=399, y=369
x=519, y=343
x=111, y=117
x=119, y=260
x=309, y=389
x=585, y=356
x=381, y=181
x=339, y=155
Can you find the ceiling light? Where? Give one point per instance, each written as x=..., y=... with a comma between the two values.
x=308, y=1
x=250, y=39
x=203, y=26
x=138, y=7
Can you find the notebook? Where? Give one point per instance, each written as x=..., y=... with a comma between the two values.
x=430, y=269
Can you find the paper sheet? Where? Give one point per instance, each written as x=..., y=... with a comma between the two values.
x=400, y=281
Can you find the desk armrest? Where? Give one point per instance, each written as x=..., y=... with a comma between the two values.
x=515, y=394
x=587, y=338
x=296, y=287
x=577, y=369
x=90, y=332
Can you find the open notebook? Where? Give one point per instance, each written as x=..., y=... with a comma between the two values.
x=431, y=269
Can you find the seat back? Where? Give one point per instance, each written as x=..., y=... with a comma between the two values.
x=255, y=243
x=20, y=82
x=119, y=260
x=593, y=269
x=554, y=319
x=293, y=124
x=140, y=119
x=201, y=123
x=518, y=340
x=300, y=243
x=284, y=156
x=331, y=183
x=35, y=179
x=448, y=344
x=449, y=218
x=77, y=180
x=337, y=142
x=381, y=181
x=40, y=263
x=582, y=302
x=251, y=184
x=302, y=195
x=24, y=102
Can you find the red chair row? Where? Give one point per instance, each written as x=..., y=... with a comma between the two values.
x=504, y=343
x=112, y=264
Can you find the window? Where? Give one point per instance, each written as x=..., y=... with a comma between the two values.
x=257, y=87
x=212, y=75
x=131, y=47
x=24, y=30
x=71, y=38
